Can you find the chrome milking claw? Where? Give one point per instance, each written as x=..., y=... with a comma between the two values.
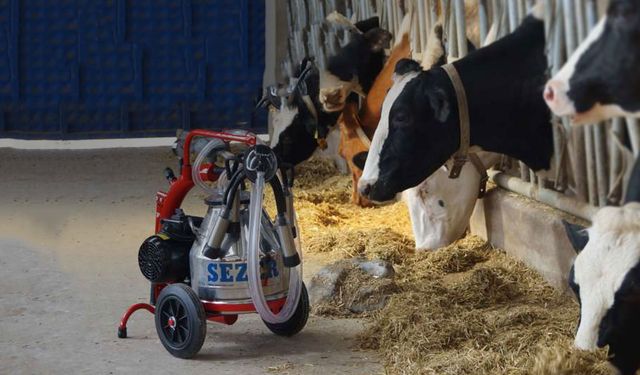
x=260, y=158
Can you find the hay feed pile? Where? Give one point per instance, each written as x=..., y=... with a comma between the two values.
x=330, y=224
x=464, y=309
x=469, y=309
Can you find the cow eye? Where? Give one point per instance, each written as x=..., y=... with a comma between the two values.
x=401, y=118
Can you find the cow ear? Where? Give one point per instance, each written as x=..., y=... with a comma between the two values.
x=578, y=235
x=368, y=24
x=405, y=66
x=378, y=39
x=439, y=104
x=360, y=159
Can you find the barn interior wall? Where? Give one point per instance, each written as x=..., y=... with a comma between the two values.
x=104, y=69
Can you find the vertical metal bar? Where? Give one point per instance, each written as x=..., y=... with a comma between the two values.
x=398, y=17
x=461, y=28
x=389, y=15
x=394, y=18
x=348, y=8
x=498, y=16
x=521, y=10
x=583, y=22
x=580, y=20
x=592, y=12
x=483, y=19
x=558, y=135
x=515, y=9
x=558, y=40
x=414, y=30
x=530, y=4
x=569, y=26
x=579, y=136
x=433, y=13
x=452, y=40
x=591, y=166
x=422, y=24
x=633, y=128
x=382, y=13
x=615, y=157
x=513, y=15
x=601, y=164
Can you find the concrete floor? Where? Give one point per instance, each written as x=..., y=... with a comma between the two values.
x=71, y=224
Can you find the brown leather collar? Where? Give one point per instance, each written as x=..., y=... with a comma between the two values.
x=461, y=156
x=482, y=170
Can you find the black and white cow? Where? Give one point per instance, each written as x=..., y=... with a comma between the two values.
x=356, y=65
x=605, y=277
x=300, y=123
x=419, y=128
x=297, y=118
x=602, y=78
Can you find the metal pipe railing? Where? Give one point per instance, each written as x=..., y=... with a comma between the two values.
x=589, y=162
x=546, y=196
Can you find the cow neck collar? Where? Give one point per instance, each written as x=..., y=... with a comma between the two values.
x=462, y=155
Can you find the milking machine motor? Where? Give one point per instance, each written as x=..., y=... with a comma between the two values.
x=234, y=260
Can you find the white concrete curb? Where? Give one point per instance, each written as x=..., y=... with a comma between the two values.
x=91, y=144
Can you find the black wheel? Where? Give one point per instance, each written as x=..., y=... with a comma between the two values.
x=181, y=322
x=297, y=322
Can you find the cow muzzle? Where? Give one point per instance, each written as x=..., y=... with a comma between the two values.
x=333, y=100
x=376, y=192
x=557, y=98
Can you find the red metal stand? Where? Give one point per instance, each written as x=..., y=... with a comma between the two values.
x=166, y=203
x=122, y=329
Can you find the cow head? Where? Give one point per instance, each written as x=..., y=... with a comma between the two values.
x=355, y=66
x=440, y=207
x=298, y=123
x=606, y=280
x=601, y=78
x=417, y=116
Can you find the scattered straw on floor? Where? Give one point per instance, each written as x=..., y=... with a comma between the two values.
x=464, y=309
x=469, y=309
x=356, y=293
x=330, y=223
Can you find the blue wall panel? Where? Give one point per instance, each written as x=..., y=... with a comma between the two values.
x=126, y=68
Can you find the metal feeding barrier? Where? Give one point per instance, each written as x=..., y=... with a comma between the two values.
x=591, y=163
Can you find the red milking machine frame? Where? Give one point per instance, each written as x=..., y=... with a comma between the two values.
x=167, y=203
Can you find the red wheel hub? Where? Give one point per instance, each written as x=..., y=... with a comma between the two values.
x=172, y=322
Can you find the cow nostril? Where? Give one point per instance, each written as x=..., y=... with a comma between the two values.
x=549, y=94
x=365, y=190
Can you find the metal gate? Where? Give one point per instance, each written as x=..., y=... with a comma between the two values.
x=74, y=69
x=591, y=163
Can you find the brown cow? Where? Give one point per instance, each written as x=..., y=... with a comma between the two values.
x=358, y=126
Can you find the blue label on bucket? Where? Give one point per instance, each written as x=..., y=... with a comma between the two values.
x=231, y=272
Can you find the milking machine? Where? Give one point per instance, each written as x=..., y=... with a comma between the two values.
x=234, y=260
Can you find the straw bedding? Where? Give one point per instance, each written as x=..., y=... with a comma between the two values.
x=463, y=309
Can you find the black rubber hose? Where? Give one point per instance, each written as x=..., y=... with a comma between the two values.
x=281, y=202
x=236, y=180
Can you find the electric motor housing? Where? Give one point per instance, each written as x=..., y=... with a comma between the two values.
x=163, y=259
